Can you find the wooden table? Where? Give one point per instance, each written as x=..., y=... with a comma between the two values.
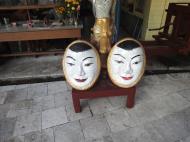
x=9, y=34
x=103, y=88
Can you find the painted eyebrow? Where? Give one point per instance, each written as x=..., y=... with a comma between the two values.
x=135, y=56
x=70, y=58
x=87, y=58
x=119, y=55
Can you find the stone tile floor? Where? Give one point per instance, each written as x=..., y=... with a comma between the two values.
x=43, y=112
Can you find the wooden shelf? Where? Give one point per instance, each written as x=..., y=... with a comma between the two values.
x=19, y=7
x=31, y=54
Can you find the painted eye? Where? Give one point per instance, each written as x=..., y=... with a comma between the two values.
x=71, y=64
x=119, y=62
x=136, y=62
x=89, y=64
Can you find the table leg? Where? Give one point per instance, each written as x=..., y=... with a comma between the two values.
x=76, y=103
x=131, y=98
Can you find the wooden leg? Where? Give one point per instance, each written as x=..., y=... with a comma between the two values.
x=131, y=98
x=76, y=103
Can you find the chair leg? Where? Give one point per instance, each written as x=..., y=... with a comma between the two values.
x=76, y=103
x=131, y=98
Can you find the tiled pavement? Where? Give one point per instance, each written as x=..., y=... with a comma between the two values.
x=43, y=112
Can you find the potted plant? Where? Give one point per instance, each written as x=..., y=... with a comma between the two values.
x=68, y=10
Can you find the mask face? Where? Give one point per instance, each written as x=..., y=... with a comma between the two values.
x=126, y=66
x=81, y=68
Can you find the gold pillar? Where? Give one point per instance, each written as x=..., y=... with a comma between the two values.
x=104, y=11
x=102, y=34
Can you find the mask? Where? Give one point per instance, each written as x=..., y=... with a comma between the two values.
x=81, y=65
x=126, y=63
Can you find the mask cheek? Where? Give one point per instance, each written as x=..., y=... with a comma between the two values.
x=116, y=68
x=90, y=71
x=71, y=71
x=137, y=69
x=121, y=70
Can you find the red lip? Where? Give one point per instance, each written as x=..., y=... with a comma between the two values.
x=127, y=78
x=81, y=80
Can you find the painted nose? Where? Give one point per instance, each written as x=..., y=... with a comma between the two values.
x=128, y=69
x=82, y=73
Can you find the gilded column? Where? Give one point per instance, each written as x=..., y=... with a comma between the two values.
x=102, y=30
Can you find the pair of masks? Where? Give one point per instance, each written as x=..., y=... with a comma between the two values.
x=125, y=64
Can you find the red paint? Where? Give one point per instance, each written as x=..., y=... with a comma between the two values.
x=127, y=78
x=80, y=80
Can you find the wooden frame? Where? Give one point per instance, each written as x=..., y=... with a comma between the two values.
x=178, y=40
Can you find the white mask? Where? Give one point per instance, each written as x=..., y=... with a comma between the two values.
x=82, y=68
x=126, y=67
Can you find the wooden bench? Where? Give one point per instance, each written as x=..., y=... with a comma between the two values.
x=103, y=88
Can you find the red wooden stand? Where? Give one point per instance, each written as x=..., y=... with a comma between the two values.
x=103, y=88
